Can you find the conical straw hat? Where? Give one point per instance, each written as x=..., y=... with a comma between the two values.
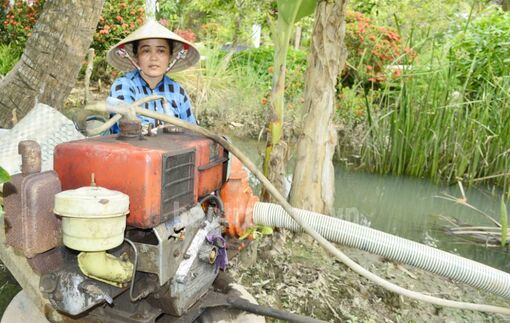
x=152, y=29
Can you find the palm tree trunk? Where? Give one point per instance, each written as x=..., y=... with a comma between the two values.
x=47, y=70
x=313, y=183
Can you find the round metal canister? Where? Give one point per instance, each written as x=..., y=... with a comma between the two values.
x=93, y=218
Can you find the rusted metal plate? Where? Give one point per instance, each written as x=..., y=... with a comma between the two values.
x=31, y=227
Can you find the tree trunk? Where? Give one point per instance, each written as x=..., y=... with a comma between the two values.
x=297, y=37
x=313, y=183
x=505, y=4
x=47, y=70
x=238, y=23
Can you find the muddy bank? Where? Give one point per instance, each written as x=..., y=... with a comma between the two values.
x=295, y=274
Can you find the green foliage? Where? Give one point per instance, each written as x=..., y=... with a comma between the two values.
x=419, y=19
x=291, y=14
x=214, y=21
x=118, y=19
x=364, y=6
x=257, y=231
x=172, y=12
x=427, y=126
x=17, y=21
x=220, y=94
x=482, y=53
x=4, y=176
x=261, y=60
x=9, y=56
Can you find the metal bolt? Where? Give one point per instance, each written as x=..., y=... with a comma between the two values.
x=177, y=253
x=212, y=256
x=187, y=256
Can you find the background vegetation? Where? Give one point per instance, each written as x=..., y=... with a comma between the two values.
x=425, y=91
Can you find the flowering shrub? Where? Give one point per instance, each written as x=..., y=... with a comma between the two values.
x=187, y=34
x=370, y=48
x=118, y=19
x=17, y=21
x=209, y=31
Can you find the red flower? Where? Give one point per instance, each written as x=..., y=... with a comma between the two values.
x=119, y=18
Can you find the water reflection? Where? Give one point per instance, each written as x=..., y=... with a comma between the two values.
x=407, y=207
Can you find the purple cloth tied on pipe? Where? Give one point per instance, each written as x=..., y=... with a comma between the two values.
x=221, y=259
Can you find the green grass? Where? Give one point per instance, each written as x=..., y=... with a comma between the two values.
x=429, y=125
x=9, y=56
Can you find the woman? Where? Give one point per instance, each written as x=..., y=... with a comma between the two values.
x=147, y=55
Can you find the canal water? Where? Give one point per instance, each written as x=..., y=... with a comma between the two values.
x=410, y=208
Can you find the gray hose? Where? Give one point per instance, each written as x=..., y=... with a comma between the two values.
x=389, y=246
x=105, y=126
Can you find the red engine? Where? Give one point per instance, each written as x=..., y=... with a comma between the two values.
x=163, y=175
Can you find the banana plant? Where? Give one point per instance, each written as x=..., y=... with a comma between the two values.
x=4, y=176
x=289, y=12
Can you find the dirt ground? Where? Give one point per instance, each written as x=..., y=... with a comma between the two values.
x=295, y=274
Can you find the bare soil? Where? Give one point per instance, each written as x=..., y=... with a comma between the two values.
x=293, y=273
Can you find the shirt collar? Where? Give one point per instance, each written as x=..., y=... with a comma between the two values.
x=144, y=82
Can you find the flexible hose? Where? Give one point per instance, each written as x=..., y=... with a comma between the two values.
x=105, y=126
x=288, y=208
x=389, y=246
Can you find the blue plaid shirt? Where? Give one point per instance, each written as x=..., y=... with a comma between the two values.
x=131, y=87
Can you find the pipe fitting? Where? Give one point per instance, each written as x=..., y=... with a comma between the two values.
x=238, y=200
x=106, y=268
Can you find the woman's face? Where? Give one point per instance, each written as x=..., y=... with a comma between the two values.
x=153, y=57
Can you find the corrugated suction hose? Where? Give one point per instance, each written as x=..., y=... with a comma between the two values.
x=389, y=246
